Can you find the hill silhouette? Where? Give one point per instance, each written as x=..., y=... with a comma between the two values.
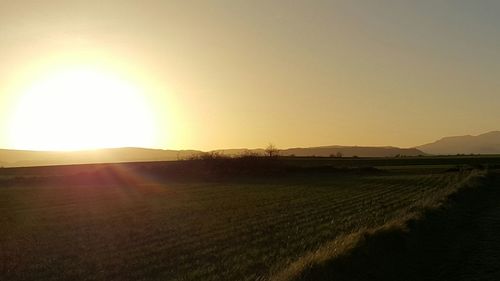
x=488, y=143
x=20, y=158
x=334, y=150
x=23, y=158
x=350, y=151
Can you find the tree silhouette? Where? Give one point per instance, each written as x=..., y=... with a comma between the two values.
x=271, y=150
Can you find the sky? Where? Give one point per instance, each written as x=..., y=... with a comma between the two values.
x=231, y=74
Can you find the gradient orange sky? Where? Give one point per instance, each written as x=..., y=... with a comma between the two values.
x=230, y=74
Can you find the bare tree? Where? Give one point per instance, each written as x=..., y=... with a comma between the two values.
x=271, y=150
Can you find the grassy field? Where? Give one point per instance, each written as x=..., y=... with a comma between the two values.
x=143, y=229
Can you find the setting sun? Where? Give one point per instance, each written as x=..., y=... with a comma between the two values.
x=81, y=108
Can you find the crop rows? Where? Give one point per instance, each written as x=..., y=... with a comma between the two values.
x=203, y=231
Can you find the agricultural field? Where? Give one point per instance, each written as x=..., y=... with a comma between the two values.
x=197, y=230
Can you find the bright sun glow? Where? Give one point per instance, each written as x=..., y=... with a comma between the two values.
x=81, y=108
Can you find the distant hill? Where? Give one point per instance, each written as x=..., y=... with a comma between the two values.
x=488, y=143
x=326, y=151
x=19, y=158
x=350, y=151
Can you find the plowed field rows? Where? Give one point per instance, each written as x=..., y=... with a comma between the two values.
x=204, y=231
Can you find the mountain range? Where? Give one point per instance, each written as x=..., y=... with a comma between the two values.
x=488, y=143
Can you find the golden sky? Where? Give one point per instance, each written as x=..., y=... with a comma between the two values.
x=230, y=74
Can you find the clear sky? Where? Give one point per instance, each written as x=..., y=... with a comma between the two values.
x=228, y=74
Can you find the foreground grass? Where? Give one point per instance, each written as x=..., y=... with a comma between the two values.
x=196, y=231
